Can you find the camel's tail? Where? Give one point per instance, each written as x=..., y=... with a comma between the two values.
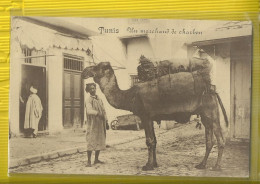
x=223, y=109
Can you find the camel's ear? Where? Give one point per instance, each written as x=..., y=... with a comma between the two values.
x=107, y=65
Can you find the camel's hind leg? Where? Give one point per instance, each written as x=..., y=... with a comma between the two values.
x=221, y=144
x=209, y=141
x=210, y=119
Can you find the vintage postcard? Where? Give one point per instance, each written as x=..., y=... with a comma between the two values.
x=108, y=96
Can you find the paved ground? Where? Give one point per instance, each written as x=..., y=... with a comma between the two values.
x=20, y=147
x=179, y=150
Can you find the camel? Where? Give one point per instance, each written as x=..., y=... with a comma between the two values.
x=155, y=100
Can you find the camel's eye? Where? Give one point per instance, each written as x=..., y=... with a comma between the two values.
x=106, y=67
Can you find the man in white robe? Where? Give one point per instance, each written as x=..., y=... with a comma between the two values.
x=33, y=112
x=96, y=124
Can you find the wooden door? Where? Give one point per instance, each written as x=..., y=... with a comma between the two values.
x=72, y=95
x=241, y=89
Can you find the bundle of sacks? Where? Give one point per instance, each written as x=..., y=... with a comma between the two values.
x=148, y=71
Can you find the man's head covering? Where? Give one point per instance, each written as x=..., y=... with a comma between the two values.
x=88, y=85
x=33, y=90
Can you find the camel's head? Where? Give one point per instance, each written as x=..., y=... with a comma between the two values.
x=98, y=71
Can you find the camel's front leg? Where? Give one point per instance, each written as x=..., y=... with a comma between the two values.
x=154, y=151
x=151, y=145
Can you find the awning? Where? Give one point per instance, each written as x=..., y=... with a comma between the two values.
x=41, y=38
x=226, y=32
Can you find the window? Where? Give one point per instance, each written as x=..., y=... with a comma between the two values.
x=34, y=57
x=134, y=79
x=27, y=52
x=72, y=63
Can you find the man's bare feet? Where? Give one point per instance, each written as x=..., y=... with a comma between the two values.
x=98, y=162
x=88, y=164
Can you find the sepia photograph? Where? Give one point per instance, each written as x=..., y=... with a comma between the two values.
x=137, y=97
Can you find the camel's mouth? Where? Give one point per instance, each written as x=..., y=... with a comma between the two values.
x=88, y=72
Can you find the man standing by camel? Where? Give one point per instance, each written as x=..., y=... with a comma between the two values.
x=96, y=124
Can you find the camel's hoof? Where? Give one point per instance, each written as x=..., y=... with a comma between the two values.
x=216, y=168
x=147, y=167
x=200, y=166
x=155, y=164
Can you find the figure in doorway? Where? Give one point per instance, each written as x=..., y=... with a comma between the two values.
x=96, y=124
x=33, y=112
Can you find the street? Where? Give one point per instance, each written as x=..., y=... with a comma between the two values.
x=178, y=151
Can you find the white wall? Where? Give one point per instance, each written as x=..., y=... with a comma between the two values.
x=136, y=47
x=167, y=48
x=15, y=85
x=55, y=86
x=111, y=49
x=222, y=81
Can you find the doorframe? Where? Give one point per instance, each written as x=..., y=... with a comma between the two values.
x=63, y=87
x=232, y=99
x=233, y=107
x=46, y=93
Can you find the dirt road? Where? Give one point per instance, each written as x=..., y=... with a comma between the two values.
x=178, y=151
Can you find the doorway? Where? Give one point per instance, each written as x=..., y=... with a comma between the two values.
x=33, y=75
x=72, y=91
x=72, y=99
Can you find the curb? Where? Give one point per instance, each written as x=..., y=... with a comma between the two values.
x=14, y=163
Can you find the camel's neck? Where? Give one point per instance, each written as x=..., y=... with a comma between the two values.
x=120, y=99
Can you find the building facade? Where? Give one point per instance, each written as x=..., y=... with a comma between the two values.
x=50, y=57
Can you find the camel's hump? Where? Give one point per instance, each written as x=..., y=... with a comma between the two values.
x=177, y=86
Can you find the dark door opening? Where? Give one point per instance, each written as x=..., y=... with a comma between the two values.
x=33, y=75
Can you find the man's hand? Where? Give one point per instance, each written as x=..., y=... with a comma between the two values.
x=21, y=99
x=107, y=125
x=99, y=114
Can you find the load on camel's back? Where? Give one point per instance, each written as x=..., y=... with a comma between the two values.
x=148, y=71
x=186, y=81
